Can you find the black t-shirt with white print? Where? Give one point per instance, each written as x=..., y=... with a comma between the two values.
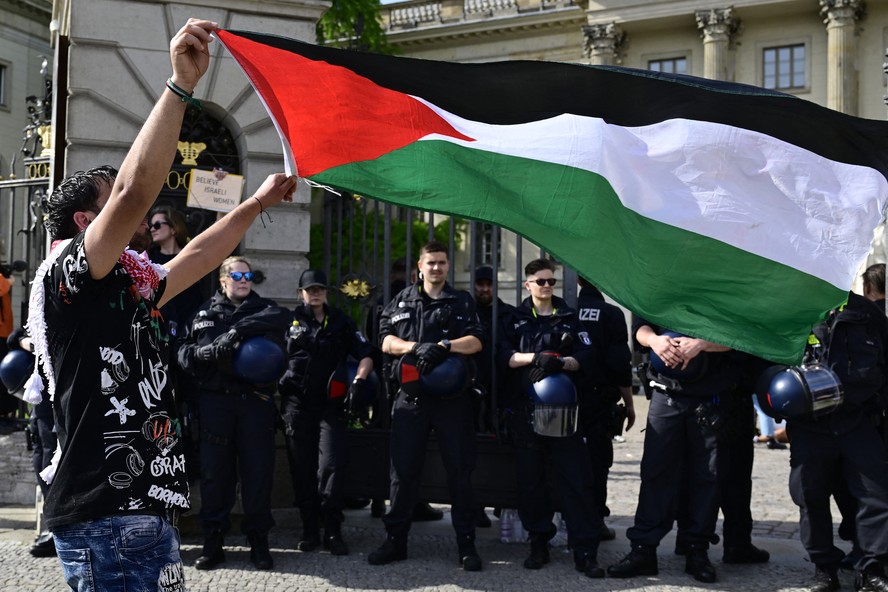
x=116, y=418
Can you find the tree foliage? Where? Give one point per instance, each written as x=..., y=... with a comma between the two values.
x=355, y=25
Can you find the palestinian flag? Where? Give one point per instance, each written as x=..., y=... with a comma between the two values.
x=722, y=211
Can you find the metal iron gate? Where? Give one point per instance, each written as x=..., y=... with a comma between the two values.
x=368, y=250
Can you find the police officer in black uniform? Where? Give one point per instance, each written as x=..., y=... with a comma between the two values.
x=431, y=320
x=845, y=445
x=321, y=338
x=610, y=381
x=543, y=337
x=238, y=417
x=484, y=360
x=679, y=445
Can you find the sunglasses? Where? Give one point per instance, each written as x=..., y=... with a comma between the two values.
x=543, y=282
x=157, y=225
x=241, y=275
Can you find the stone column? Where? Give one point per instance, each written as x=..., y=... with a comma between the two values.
x=718, y=28
x=602, y=43
x=840, y=18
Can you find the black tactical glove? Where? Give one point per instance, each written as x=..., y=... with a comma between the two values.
x=225, y=344
x=543, y=365
x=205, y=353
x=430, y=355
x=355, y=395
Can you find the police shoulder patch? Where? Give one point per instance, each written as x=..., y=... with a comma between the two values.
x=584, y=337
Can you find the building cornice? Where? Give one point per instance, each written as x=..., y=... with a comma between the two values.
x=497, y=25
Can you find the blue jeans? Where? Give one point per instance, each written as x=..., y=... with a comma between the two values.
x=121, y=553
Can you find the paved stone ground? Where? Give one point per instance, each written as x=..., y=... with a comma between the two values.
x=433, y=565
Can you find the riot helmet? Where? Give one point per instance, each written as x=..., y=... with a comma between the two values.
x=15, y=369
x=446, y=380
x=259, y=360
x=807, y=391
x=554, y=405
x=344, y=375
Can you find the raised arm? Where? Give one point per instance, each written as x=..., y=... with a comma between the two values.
x=147, y=164
x=203, y=254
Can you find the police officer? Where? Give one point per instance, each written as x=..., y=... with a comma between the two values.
x=679, y=444
x=610, y=381
x=321, y=338
x=42, y=434
x=431, y=320
x=238, y=417
x=484, y=299
x=544, y=337
x=845, y=444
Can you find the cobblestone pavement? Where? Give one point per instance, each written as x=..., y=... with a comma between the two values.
x=432, y=563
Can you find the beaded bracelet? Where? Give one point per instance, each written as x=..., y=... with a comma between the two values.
x=186, y=97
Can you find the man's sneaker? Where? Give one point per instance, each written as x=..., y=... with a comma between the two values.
x=391, y=550
x=607, y=534
x=641, y=561
x=773, y=444
x=826, y=579
x=745, y=554
x=44, y=546
x=870, y=582
x=698, y=565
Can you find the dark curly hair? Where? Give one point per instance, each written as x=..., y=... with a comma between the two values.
x=77, y=193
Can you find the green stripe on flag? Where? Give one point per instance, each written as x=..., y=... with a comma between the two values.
x=740, y=300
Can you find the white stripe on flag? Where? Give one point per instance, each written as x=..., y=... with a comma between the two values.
x=744, y=188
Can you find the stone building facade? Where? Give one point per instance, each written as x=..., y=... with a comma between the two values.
x=117, y=62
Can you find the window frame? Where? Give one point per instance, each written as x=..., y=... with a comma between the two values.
x=777, y=44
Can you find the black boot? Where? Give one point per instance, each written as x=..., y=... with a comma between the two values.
x=871, y=580
x=333, y=536
x=311, y=531
x=212, y=554
x=539, y=551
x=260, y=554
x=826, y=579
x=698, y=565
x=393, y=549
x=745, y=554
x=423, y=512
x=586, y=562
x=641, y=561
x=377, y=508
x=468, y=555
x=483, y=519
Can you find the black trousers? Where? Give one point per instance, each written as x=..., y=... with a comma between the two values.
x=44, y=444
x=856, y=456
x=676, y=449
x=573, y=469
x=600, y=447
x=735, y=459
x=317, y=452
x=412, y=422
x=237, y=443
